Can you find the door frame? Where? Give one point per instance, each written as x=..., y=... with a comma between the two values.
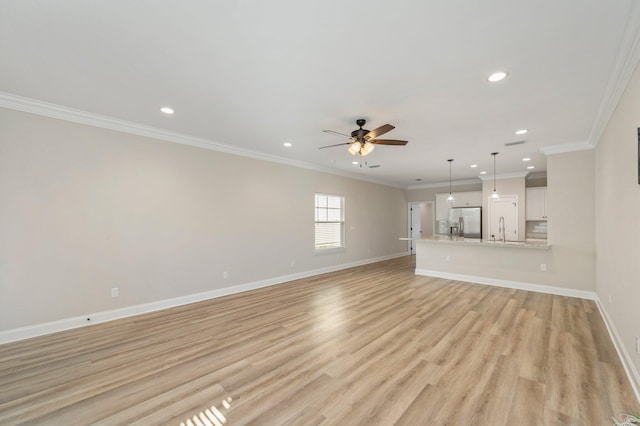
x=410, y=204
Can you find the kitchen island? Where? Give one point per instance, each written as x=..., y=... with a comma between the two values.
x=527, y=265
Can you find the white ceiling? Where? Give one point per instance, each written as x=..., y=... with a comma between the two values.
x=255, y=74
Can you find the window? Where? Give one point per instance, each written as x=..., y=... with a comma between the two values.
x=329, y=222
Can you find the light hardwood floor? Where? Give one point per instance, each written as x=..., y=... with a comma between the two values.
x=369, y=345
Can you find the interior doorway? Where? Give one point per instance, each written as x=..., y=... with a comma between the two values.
x=421, y=222
x=505, y=210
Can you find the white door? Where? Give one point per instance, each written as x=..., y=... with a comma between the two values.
x=506, y=207
x=416, y=229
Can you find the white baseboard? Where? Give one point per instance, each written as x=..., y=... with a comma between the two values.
x=623, y=354
x=27, y=332
x=538, y=288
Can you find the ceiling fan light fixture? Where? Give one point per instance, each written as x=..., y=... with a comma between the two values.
x=363, y=141
x=354, y=148
x=367, y=148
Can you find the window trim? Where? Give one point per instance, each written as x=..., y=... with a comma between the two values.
x=342, y=223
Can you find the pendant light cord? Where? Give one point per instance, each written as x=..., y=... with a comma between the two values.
x=494, y=170
x=450, y=161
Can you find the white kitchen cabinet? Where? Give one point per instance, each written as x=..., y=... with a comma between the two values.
x=536, y=203
x=462, y=199
x=468, y=199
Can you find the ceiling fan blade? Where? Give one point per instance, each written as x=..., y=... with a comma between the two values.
x=389, y=142
x=338, y=144
x=336, y=133
x=379, y=131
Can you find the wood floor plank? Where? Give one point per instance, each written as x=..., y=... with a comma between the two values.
x=527, y=404
x=562, y=379
x=528, y=343
x=497, y=394
x=423, y=409
x=374, y=344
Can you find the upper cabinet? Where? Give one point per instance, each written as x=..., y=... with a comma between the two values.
x=462, y=199
x=536, y=203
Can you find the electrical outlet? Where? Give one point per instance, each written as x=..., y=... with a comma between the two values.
x=638, y=345
x=610, y=299
x=448, y=258
x=293, y=263
x=114, y=292
x=225, y=275
x=543, y=267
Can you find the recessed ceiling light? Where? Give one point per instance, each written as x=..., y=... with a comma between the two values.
x=497, y=76
x=473, y=166
x=166, y=110
x=354, y=162
x=521, y=131
x=526, y=159
x=531, y=167
x=483, y=172
x=287, y=144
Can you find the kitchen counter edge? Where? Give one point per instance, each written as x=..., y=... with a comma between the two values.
x=537, y=245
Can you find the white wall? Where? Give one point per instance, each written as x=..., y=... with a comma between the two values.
x=85, y=209
x=426, y=218
x=571, y=212
x=617, y=200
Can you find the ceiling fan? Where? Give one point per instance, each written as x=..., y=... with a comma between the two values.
x=363, y=141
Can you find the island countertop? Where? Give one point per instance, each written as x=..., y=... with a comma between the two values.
x=446, y=239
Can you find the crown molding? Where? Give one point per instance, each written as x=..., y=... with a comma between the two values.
x=538, y=175
x=504, y=176
x=569, y=147
x=443, y=184
x=623, y=68
x=34, y=106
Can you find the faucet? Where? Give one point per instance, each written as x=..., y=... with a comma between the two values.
x=501, y=229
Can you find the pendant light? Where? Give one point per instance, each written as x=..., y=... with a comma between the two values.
x=450, y=199
x=494, y=194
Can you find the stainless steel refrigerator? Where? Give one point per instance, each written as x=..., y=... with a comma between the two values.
x=466, y=221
